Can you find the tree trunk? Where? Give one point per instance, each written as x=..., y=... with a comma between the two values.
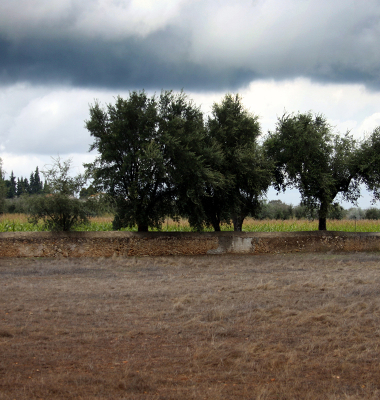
x=215, y=223
x=237, y=220
x=323, y=216
x=322, y=224
x=142, y=228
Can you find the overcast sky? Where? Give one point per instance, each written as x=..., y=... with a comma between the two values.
x=58, y=56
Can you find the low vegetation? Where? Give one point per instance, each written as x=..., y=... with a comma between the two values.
x=233, y=327
x=19, y=223
x=160, y=156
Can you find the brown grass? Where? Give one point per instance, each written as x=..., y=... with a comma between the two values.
x=217, y=327
x=20, y=218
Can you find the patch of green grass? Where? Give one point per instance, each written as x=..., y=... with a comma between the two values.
x=19, y=223
x=95, y=227
x=17, y=226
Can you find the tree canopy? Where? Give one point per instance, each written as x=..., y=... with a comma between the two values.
x=158, y=157
x=35, y=183
x=150, y=156
x=311, y=158
x=368, y=161
x=247, y=174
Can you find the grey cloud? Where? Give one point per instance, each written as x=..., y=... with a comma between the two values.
x=134, y=63
x=44, y=120
x=205, y=45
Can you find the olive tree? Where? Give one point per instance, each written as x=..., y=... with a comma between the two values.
x=151, y=156
x=246, y=172
x=309, y=156
x=368, y=161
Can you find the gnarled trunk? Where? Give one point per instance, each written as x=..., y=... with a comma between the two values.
x=323, y=216
x=216, y=227
x=322, y=226
x=215, y=221
x=142, y=228
x=237, y=220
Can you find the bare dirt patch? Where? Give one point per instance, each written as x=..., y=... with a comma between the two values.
x=295, y=326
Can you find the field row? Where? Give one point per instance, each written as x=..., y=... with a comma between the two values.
x=19, y=223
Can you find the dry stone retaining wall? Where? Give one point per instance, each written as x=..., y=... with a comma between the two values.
x=108, y=244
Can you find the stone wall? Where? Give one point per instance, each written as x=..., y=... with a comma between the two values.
x=108, y=244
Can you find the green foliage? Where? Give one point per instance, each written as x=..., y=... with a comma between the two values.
x=311, y=158
x=336, y=211
x=304, y=212
x=35, y=183
x=369, y=163
x=59, y=210
x=11, y=186
x=355, y=213
x=3, y=188
x=16, y=226
x=150, y=156
x=17, y=205
x=85, y=193
x=245, y=170
x=353, y=222
x=100, y=204
x=275, y=209
x=22, y=186
x=372, y=213
x=60, y=181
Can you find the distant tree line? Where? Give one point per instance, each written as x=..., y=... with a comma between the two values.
x=160, y=156
x=17, y=187
x=14, y=188
x=276, y=209
x=62, y=203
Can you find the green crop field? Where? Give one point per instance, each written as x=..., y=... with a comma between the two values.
x=19, y=223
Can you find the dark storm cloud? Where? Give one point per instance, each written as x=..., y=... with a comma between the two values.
x=201, y=45
x=133, y=63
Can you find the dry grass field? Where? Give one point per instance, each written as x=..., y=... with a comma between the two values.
x=296, y=326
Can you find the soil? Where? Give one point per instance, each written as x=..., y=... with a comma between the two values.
x=283, y=326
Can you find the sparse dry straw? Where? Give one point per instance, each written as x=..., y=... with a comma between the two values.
x=217, y=327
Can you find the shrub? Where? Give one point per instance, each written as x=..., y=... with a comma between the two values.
x=60, y=210
x=17, y=205
x=336, y=211
x=372, y=213
x=355, y=213
x=275, y=209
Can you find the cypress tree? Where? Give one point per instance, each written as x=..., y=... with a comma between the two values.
x=26, y=186
x=35, y=182
x=31, y=184
x=12, y=186
x=3, y=188
x=22, y=186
